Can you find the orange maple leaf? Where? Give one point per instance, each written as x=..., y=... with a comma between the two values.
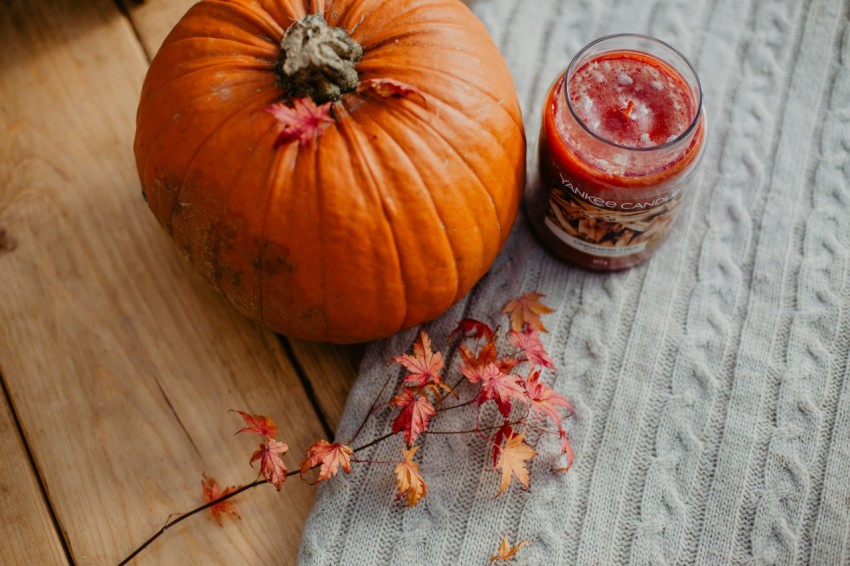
x=506, y=551
x=302, y=121
x=527, y=310
x=416, y=412
x=213, y=492
x=424, y=365
x=512, y=461
x=258, y=424
x=544, y=399
x=331, y=456
x=271, y=466
x=528, y=340
x=408, y=478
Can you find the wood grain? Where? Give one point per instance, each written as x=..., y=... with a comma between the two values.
x=26, y=528
x=120, y=361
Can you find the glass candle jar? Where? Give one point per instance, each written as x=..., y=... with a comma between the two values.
x=622, y=133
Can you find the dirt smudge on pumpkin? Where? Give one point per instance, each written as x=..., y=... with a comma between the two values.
x=7, y=242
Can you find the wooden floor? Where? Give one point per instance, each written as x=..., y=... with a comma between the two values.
x=118, y=363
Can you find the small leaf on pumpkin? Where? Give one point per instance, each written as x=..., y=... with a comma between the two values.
x=332, y=457
x=272, y=467
x=303, y=121
x=408, y=478
x=528, y=340
x=527, y=310
x=258, y=424
x=213, y=492
x=512, y=461
x=424, y=365
x=386, y=88
x=506, y=551
x=416, y=412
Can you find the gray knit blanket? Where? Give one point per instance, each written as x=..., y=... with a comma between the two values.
x=711, y=385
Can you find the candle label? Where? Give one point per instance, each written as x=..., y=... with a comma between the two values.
x=608, y=228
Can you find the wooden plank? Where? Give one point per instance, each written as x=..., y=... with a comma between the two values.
x=26, y=527
x=120, y=361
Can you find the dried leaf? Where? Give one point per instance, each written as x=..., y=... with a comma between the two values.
x=512, y=461
x=258, y=424
x=303, y=121
x=332, y=457
x=567, y=450
x=506, y=431
x=271, y=466
x=502, y=388
x=213, y=492
x=544, y=399
x=527, y=310
x=528, y=340
x=471, y=328
x=386, y=88
x=416, y=412
x=424, y=365
x=506, y=551
x=408, y=478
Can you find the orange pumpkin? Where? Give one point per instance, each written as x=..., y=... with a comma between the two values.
x=380, y=219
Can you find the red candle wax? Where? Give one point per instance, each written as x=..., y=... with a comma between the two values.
x=621, y=135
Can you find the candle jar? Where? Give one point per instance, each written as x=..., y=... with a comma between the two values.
x=622, y=133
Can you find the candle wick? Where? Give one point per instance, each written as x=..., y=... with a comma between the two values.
x=627, y=111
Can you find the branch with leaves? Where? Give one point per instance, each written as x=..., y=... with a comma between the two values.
x=512, y=381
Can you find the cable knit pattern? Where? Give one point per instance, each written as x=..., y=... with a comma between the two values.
x=711, y=384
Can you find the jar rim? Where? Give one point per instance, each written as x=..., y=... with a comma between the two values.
x=664, y=45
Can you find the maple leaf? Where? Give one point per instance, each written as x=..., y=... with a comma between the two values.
x=416, y=412
x=302, y=121
x=331, y=456
x=512, y=461
x=258, y=424
x=408, y=478
x=527, y=310
x=386, y=88
x=505, y=432
x=271, y=466
x=528, y=340
x=213, y=492
x=471, y=328
x=567, y=450
x=506, y=551
x=544, y=399
x=500, y=387
x=424, y=365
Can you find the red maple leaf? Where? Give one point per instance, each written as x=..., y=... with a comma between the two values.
x=505, y=432
x=512, y=461
x=527, y=310
x=566, y=449
x=408, y=479
x=501, y=388
x=332, y=457
x=544, y=399
x=416, y=412
x=303, y=121
x=386, y=88
x=528, y=340
x=213, y=492
x=258, y=424
x=471, y=328
x=424, y=365
x=271, y=466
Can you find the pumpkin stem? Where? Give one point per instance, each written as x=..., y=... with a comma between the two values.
x=318, y=60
